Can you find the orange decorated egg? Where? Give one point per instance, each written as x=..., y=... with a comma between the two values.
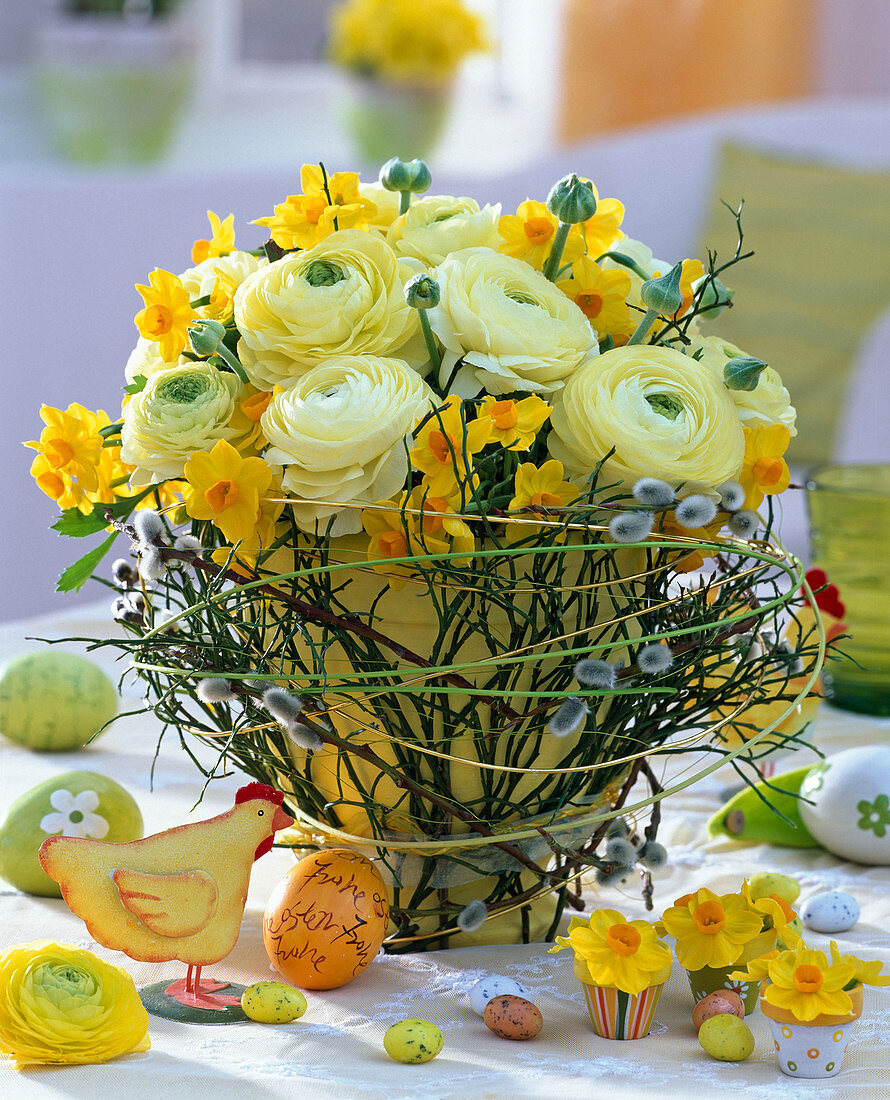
x=720, y=1002
x=326, y=919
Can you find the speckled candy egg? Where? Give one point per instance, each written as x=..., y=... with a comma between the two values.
x=720, y=1002
x=512, y=1017
x=726, y=1038
x=764, y=884
x=413, y=1041
x=272, y=1003
x=833, y=911
x=52, y=701
x=491, y=986
x=326, y=919
x=845, y=804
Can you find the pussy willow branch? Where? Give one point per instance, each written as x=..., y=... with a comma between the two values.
x=319, y=615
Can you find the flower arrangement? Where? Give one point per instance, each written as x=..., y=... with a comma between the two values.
x=61, y=1004
x=714, y=933
x=811, y=1004
x=414, y=490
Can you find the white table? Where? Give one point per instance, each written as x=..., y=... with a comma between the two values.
x=336, y=1050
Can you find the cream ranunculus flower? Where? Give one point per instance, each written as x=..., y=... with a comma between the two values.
x=340, y=432
x=62, y=1004
x=768, y=403
x=513, y=328
x=386, y=202
x=665, y=415
x=182, y=409
x=437, y=225
x=345, y=296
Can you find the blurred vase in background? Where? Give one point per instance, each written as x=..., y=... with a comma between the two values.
x=849, y=507
x=113, y=77
x=401, y=59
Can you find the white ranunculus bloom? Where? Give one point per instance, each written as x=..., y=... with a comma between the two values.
x=437, y=225
x=768, y=403
x=665, y=414
x=145, y=359
x=183, y=409
x=345, y=296
x=340, y=434
x=513, y=328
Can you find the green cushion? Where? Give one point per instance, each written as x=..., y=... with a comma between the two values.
x=820, y=277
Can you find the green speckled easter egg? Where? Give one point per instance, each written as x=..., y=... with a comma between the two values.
x=52, y=701
x=81, y=804
x=765, y=883
x=726, y=1038
x=413, y=1041
x=272, y=1003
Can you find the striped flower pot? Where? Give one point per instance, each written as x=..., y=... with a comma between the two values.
x=813, y=1049
x=618, y=1015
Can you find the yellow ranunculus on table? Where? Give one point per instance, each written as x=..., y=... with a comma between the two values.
x=336, y=1048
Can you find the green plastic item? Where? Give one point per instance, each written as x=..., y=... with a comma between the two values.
x=73, y=803
x=746, y=816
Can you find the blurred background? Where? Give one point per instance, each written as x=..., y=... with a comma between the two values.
x=123, y=121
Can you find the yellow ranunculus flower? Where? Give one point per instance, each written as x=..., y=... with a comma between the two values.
x=664, y=415
x=768, y=403
x=436, y=225
x=340, y=432
x=620, y=954
x=513, y=329
x=64, y=1005
x=343, y=297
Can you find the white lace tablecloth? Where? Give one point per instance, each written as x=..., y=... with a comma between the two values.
x=336, y=1049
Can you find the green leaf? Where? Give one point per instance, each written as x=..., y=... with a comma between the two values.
x=137, y=385
x=76, y=525
x=76, y=576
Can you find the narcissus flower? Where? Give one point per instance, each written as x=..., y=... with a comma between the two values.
x=603, y=230
x=445, y=446
x=538, y=489
x=601, y=295
x=226, y=489
x=711, y=930
x=514, y=424
x=626, y=955
x=868, y=972
x=167, y=314
x=804, y=983
x=221, y=242
x=764, y=471
x=69, y=449
x=62, y=1004
x=528, y=235
x=328, y=203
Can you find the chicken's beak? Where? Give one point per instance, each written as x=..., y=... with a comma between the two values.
x=281, y=820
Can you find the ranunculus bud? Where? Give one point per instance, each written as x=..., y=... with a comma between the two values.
x=205, y=337
x=422, y=292
x=663, y=294
x=743, y=372
x=572, y=200
x=401, y=175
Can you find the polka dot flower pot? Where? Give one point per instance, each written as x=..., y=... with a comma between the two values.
x=814, y=1049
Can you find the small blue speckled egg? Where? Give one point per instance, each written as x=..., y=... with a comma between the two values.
x=833, y=911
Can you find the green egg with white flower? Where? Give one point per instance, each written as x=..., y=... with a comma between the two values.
x=79, y=804
x=272, y=1003
x=52, y=701
x=413, y=1041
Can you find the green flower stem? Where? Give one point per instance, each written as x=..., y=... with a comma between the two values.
x=404, y=201
x=431, y=346
x=642, y=330
x=230, y=360
x=559, y=242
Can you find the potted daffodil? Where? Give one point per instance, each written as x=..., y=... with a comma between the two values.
x=622, y=967
x=716, y=934
x=812, y=1005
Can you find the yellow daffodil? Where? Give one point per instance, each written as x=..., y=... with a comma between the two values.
x=222, y=240
x=70, y=443
x=867, y=972
x=755, y=970
x=690, y=273
x=226, y=489
x=711, y=930
x=390, y=530
x=686, y=561
x=603, y=230
x=537, y=489
x=804, y=983
x=765, y=472
x=445, y=446
x=514, y=424
x=601, y=295
x=167, y=314
x=439, y=522
x=63, y=490
x=415, y=523
x=776, y=913
x=528, y=235
x=328, y=203
x=221, y=306
x=249, y=408
x=622, y=954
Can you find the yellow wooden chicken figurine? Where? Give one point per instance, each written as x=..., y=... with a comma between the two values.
x=178, y=894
